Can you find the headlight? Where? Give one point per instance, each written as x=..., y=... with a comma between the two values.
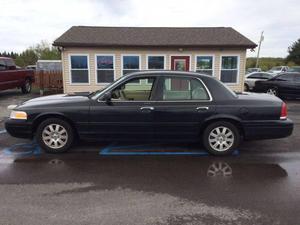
x=18, y=115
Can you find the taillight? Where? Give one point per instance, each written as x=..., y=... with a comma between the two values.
x=283, y=114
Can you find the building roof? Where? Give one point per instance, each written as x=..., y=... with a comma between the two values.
x=87, y=36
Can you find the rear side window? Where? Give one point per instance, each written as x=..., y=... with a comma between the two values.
x=181, y=88
x=255, y=76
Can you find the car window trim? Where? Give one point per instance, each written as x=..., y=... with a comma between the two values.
x=153, y=101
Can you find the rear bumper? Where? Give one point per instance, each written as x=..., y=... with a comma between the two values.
x=273, y=129
x=19, y=128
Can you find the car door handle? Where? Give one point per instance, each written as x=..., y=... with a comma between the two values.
x=202, y=108
x=147, y=108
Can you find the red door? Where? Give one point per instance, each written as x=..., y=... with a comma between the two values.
x=179, y=63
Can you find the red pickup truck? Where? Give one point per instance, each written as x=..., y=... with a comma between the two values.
x=11, y=77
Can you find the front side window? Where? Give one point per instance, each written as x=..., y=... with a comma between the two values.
x=79, y=69
x=204, y=64
x=156, y=62
x=105, y=68
x=2, y=65
x=178, y=88
x=285, y=77
x=229, y=69
x=137, y=89
x=131, y=63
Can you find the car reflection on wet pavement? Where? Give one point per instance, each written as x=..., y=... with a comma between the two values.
x=83, y=187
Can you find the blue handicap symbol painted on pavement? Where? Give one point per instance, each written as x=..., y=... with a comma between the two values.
x=130, y=150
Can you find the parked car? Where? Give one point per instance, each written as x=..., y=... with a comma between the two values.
x=153, y=105
x=294, y=69
x=283, y=85
x=251, y=70
x=251, y=78
x=31, y=67
x=278, y=69
x=12, y=77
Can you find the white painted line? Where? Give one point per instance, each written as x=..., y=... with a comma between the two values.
x=2, y=131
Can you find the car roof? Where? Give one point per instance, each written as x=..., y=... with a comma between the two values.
x=167, y=73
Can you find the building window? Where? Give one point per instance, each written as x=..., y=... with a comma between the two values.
x=204, y=64
x=156, y=62
x=105, y=68
x=79, y=69
x=229, y=69
x=131, y=63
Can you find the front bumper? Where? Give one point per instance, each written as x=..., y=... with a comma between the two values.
x=19, y=128
x=273, y=129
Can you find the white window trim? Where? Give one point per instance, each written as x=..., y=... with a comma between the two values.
x=180, y=54
x=159, y=55
x=96, y=68
x=70, y=69
x=213, y=62
x=238, y=68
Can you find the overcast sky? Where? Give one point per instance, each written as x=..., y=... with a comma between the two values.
x=25, y=23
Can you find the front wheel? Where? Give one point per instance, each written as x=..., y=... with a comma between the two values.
x=55, y=135
x=272, y=91
x=221, y=138
x=26, y=88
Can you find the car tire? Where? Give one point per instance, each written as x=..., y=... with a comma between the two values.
x=246, y=88
x=272, y=91
x=221, y=138
x=55, y=135
x=26, y=88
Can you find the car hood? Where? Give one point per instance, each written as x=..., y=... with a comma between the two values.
x=55, y=100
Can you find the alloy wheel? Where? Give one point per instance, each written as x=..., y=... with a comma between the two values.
x=272, y=91
x=221, y=139
x=55, y=136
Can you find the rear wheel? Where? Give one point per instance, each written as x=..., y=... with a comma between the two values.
x=221, y=138
x=26, y=88
x=55, y=135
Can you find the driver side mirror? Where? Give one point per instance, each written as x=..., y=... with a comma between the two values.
x=107, y=97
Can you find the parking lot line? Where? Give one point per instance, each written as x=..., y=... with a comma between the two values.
x=2, y=131
x=109, y=150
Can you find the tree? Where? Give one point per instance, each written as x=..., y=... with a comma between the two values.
x=27, y=57
x=294, y=53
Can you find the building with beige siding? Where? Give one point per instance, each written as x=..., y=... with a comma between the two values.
x=93, y=57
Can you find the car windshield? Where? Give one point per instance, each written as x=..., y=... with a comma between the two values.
x=276, y=68
x=96, y=93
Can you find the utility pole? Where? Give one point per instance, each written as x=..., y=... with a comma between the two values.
x=260, y=41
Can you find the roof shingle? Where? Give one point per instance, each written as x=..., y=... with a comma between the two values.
x=86, y=36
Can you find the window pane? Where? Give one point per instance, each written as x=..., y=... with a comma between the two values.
x=229, y=76
x=80, y=76
x=229, y=62
x=183, y=89
x=105, y=62
x=156, y=62
x=79, y=62
x=105, y=76
x=204, y=62
x=131, y=62
x=134, y=90
x=207, y=72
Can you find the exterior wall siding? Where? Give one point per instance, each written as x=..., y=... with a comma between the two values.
x=91, y=52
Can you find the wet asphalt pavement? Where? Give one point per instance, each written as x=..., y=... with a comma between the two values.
x=260, y=185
